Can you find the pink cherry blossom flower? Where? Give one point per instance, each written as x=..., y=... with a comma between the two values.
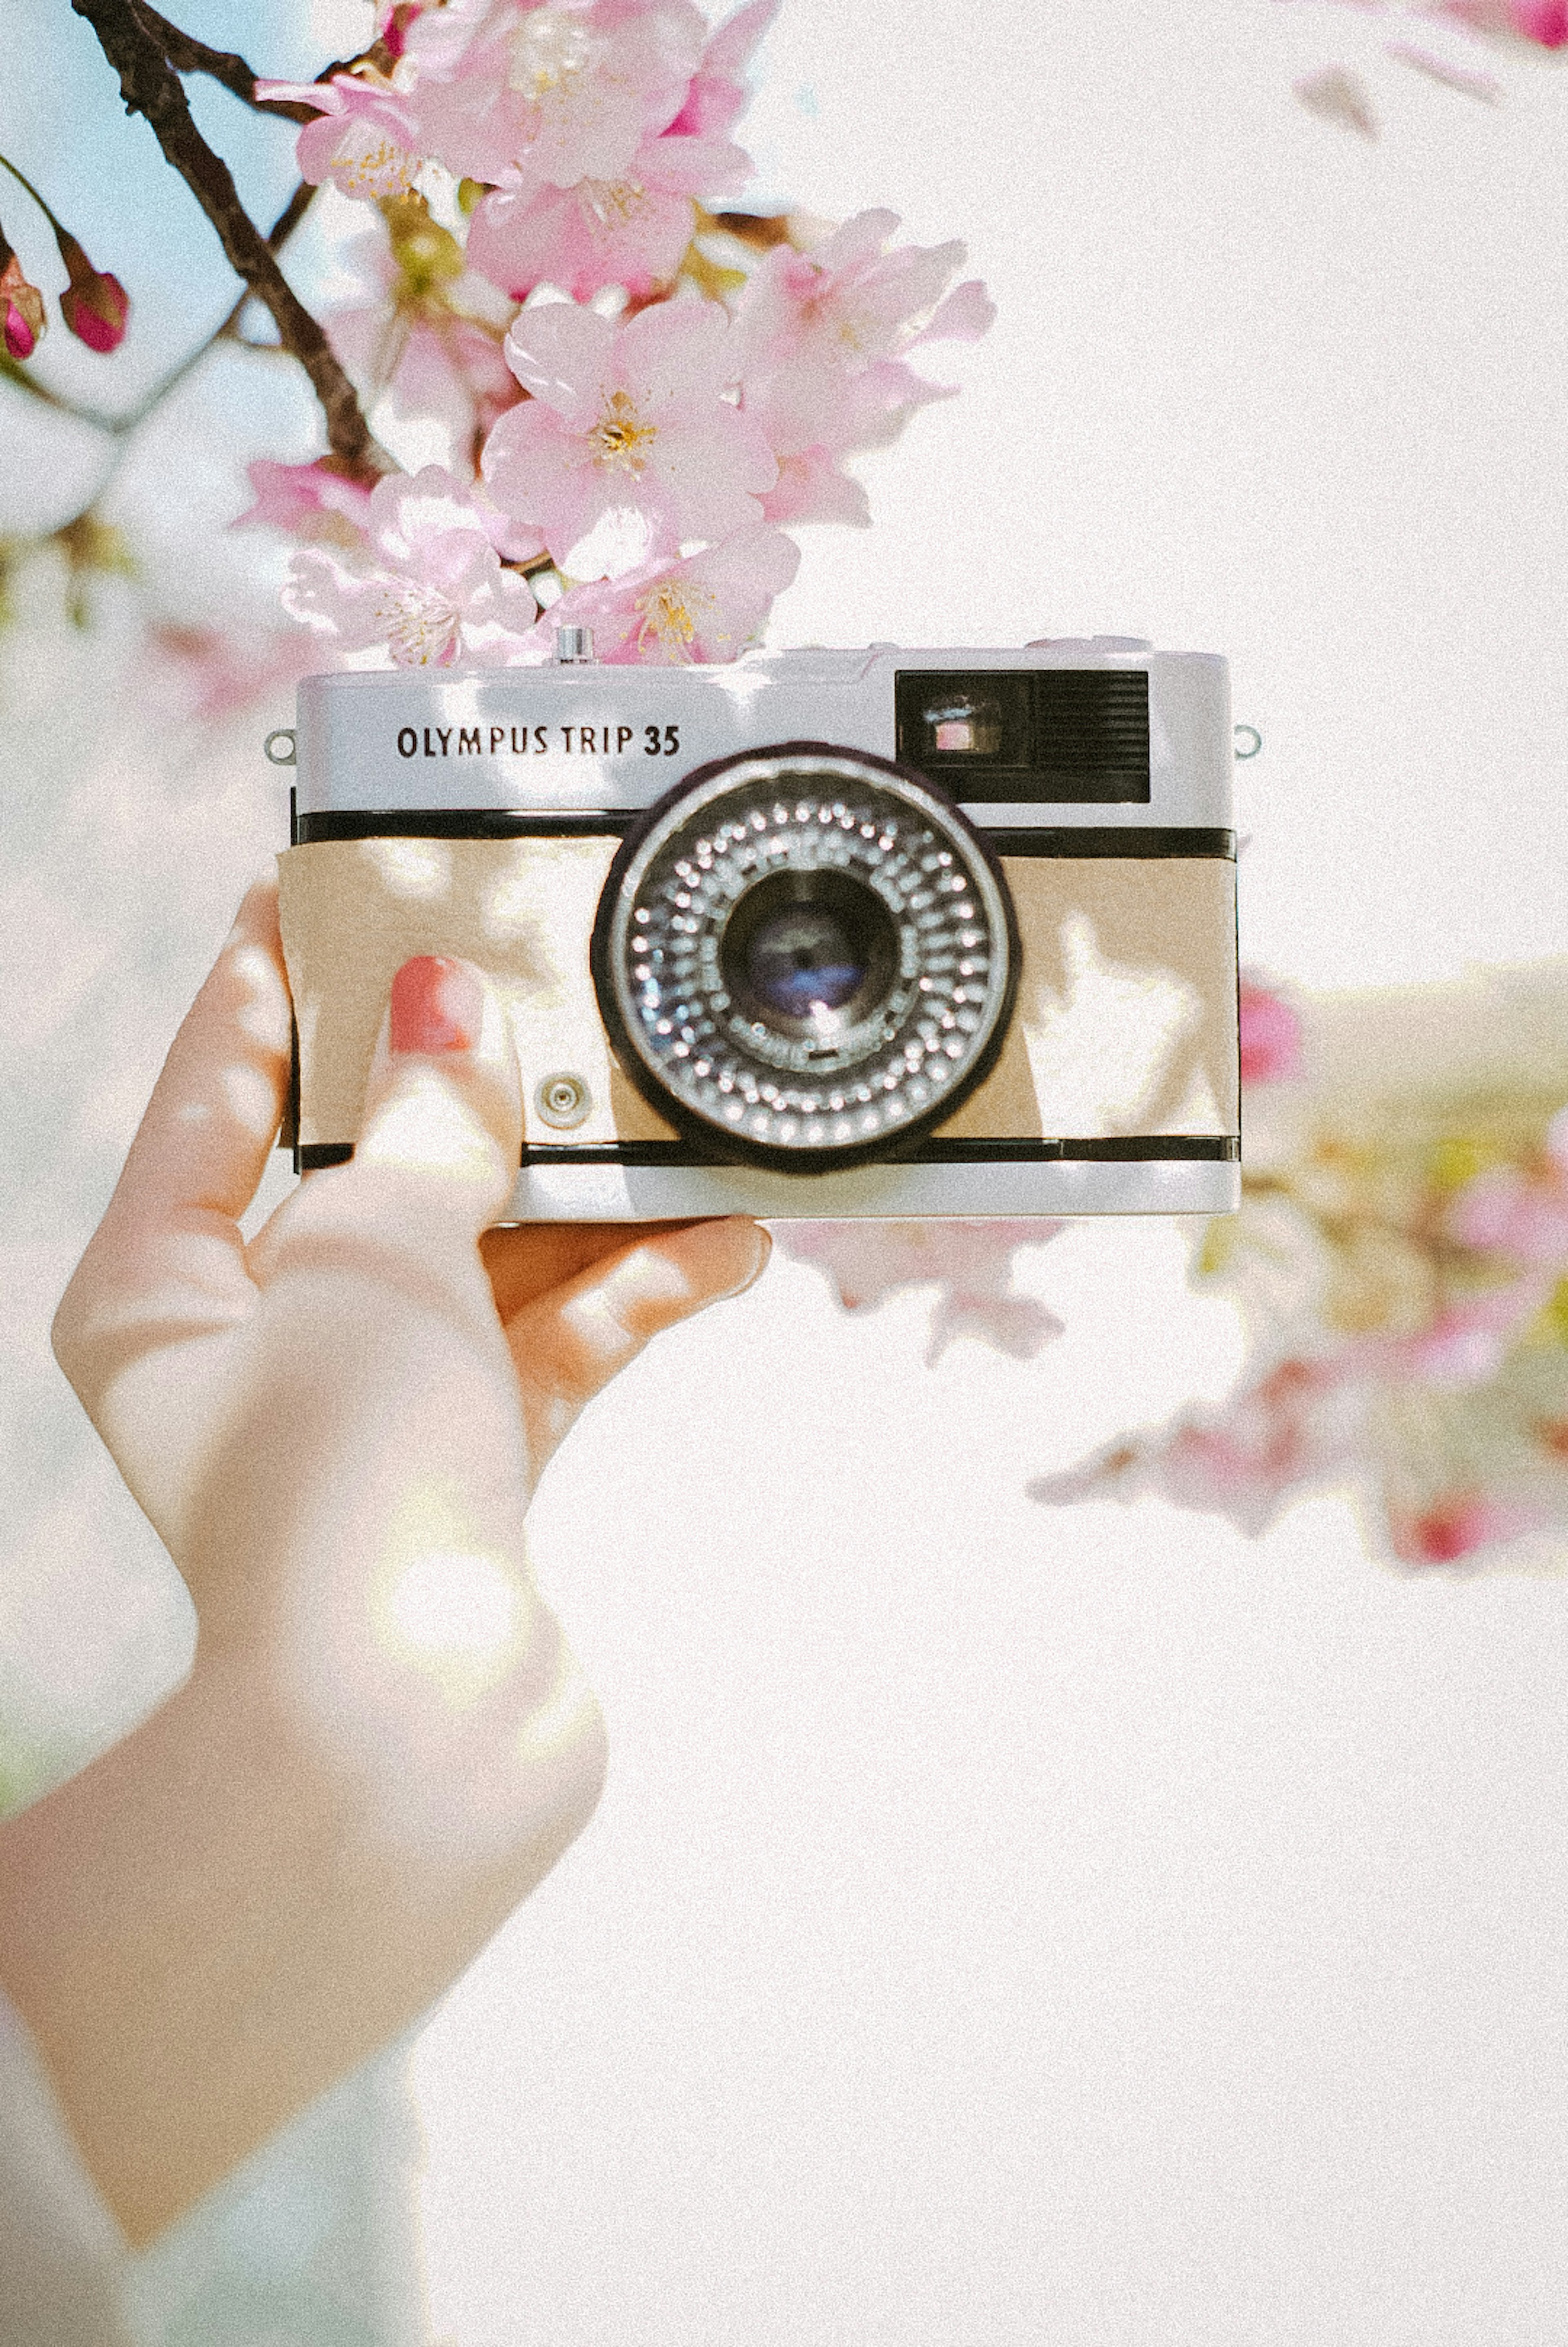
x=1468, y=1342
x=364, y=138
x=553, y=92
x=427, y=587
x=631, y=232
x=1459, y=1524
x=717, y=95
x=628, y=447
x=1511, y=1211
x=1271, y=1034
x=202, y=675
x=707, y=607
x=314, y=503
x=428, y=341
x=823, y=335
x=1302, y=1419
x=971, y=1263
x=22, y=318
x=1542, y=23
x=94, y=305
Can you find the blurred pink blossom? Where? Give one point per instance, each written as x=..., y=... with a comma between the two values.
x=1543, y=23
x=707, y=607
x=628, y=446
x=22, y=318
x=428, y=586
x=429, y=339
x=314, y=503
x=1516, y=1211
x=1271, y=1034
x=549, y=93
x=1303, y=1417
x=717, y=95
x=364, y=140
x=823, y=336
x=970, y=1262
x=203, y=675
x=1458, y=1525
x=631, y=232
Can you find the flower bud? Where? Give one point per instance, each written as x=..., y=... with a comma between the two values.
x=22, y=318
x=94, y=305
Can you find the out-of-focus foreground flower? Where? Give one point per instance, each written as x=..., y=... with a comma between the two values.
x=970, y=1264
x=1402, y=1259
x=1444, y=40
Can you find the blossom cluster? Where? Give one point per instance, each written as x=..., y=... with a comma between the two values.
x=638, y=393
x=1401, y=1257
x=1444, y=40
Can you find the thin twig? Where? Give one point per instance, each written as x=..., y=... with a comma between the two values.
x=187, y=54
x=117, y=427
x=151, y=86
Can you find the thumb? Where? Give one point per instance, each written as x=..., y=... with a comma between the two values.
x=439, y=1146
x=443, y=1102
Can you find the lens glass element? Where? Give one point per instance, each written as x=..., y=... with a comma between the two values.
x=806, y=952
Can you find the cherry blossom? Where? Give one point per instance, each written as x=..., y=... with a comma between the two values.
x=632, y=231
x=364, y=138
x=707, y=607
x=971, y=1263
x=1458, y=1525
x=428, y=341
x=22, y=318
x=427, y=587
x=94, y=305
x=1270, y=1033
x=718, y=94
x=555, y=92
x=627, y=447
x=823, y=335
x=314, y=503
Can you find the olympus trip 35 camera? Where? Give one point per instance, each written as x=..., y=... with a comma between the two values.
x=815, y=933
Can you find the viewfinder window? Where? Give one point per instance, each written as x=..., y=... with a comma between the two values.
x=1033, y=736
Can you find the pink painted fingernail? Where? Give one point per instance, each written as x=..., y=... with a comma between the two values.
x=437, y=1005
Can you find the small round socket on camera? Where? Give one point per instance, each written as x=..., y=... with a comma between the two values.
x=563, y=1100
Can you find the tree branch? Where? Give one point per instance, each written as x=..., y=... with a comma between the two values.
x=186, y=55
x=151, y=86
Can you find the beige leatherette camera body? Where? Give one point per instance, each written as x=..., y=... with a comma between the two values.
x=820, y=933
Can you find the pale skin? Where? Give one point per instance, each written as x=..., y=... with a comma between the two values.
x=383, y=1743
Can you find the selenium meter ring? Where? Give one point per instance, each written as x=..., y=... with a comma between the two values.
x=805, y=957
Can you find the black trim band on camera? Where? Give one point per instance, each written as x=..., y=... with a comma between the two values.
x=1135, y=840
x=1139, y=1149
x=458, y=823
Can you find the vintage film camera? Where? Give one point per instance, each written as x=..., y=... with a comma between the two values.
x=819, y=933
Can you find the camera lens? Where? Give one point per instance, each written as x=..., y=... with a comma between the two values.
x=810, y=950
x=805, y=955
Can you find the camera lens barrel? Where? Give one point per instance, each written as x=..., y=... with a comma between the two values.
x=805, y=957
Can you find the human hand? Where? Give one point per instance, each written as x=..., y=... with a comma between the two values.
x=336, y=1430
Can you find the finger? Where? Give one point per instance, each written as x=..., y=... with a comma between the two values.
x=438, y=1150
x=527, y=1259
x=568, y=1344
x=167, y=1258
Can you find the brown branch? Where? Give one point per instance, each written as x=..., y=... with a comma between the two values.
x=186, y=56
x=151, y=86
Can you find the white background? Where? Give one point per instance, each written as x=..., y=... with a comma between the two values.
x=1008, y=1926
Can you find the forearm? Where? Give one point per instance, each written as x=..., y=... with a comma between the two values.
x=211, y=1924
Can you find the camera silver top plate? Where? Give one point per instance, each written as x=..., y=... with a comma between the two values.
x=578, y=737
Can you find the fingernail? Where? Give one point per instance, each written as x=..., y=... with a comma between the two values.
x=750, y=1278
x=437, y=1005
